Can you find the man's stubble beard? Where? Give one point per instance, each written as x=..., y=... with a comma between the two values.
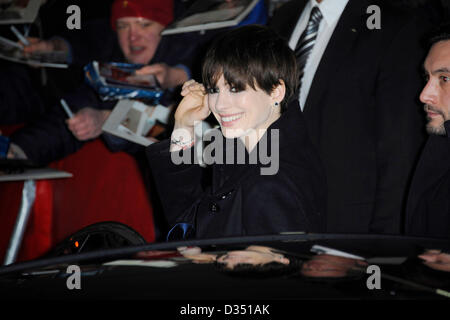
x=436, y=130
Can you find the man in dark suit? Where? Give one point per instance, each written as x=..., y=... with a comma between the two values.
x=428, y=209
x=358, y=95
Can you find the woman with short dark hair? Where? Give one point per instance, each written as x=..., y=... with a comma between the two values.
x=249, y=75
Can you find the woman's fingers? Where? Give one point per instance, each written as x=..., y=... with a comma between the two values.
x=195, y=92
x=192, y=86
x=188, y=83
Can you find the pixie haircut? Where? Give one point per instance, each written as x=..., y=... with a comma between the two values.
x=252, y=55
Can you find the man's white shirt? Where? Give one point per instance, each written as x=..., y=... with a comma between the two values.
x=331, y=11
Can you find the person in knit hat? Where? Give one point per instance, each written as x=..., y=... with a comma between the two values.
x=138, y=25
x=130, y=34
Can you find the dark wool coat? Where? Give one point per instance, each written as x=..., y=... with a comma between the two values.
x=428, y=210
x=236, y=199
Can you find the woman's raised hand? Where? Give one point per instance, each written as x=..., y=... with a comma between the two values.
x=193, y=107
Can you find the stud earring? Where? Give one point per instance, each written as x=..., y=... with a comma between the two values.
x=276, y=104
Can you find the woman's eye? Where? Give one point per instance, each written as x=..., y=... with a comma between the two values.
x=445, y=78
x=212, y=90
x=235, y=89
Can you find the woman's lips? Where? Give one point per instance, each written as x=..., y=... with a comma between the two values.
x=229, y=120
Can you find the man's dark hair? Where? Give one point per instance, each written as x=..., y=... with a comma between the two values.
x=441, y=33
x=251, y=55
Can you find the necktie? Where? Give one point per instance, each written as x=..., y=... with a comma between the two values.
x=306, y=42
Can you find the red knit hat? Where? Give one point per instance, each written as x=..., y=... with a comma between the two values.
x=157, y=10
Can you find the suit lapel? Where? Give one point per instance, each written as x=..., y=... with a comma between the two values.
x=347, y=31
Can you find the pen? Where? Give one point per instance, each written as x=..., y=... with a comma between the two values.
x=66, y=108
x=27, y=30
x=11, y=43
x=20, y=36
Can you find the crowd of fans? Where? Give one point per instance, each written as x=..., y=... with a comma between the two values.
x=359, y=93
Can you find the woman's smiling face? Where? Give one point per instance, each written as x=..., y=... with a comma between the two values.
x=241, y=111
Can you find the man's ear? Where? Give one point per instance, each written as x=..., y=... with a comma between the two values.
x=279, y=92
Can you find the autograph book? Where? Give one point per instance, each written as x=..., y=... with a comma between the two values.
x=116, y=80
x=211, y=14
x=134, y=120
